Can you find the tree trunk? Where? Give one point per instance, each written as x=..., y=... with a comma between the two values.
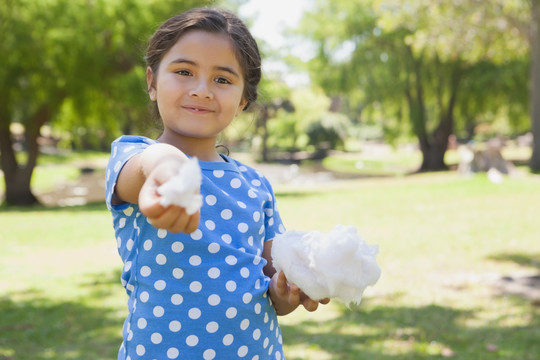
x=535, y=85
x=17, y=177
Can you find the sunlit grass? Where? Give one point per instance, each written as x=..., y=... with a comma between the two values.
x=445, y=240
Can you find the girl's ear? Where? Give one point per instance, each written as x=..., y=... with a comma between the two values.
x=241, y=107
x=151, y=84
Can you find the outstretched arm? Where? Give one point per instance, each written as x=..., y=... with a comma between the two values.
x=138, y=182
x=285, y=297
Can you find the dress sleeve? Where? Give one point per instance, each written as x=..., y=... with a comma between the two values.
x=122, y=149
x=272, y=220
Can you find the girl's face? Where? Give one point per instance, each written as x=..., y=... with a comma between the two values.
x=199, y=86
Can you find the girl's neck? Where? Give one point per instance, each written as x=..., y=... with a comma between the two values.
x=203, y=149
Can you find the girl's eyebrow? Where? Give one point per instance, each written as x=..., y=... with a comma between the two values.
x=193, y=63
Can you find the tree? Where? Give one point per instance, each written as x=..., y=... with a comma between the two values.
x=69, y=57
x=535, y=84
x=418, y=59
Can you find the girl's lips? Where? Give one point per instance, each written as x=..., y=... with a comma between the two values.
x=197, y=109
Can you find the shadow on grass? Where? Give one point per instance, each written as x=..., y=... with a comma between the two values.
x=93, y=206
x=407, y=333
x=522, y=259
x=35, y=326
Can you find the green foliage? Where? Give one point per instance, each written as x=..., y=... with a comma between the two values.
x=82, y=59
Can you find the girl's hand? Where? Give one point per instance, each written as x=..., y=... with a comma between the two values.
x=172, y=218
x=287, y=297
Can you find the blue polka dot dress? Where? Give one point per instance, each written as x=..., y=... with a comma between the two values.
x=201, y=295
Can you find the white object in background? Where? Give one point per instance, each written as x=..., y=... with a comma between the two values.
x=338, y=264
x=183, y=189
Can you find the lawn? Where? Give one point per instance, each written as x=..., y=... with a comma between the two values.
x=447, y=244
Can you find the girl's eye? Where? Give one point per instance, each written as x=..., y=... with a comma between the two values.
x=183, y=72
x=222, y=80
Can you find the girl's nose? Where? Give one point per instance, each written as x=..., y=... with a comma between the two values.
x=201, y=90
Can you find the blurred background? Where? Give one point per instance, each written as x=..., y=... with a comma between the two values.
x=417, y=121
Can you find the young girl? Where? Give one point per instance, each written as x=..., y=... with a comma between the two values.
x=200, y=286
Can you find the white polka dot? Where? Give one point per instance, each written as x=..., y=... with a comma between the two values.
x=194, y=313
x=270, y=350
x=244, y=272
x=228, y=339
x=218, y=173
x=230, y=285
x=258, y=284
x=211, y=200
x=160, y=285
x=129, y=244
x=196, y=235
x=243, y=227
x=226, y=238
x=247, y=298
x=252, y=194
x=172, y=353
x=195, y=286
x=231, y=260
x=146, y=271
x=122, y=223
x=257, y=260
x=214, y=300
x=144, y=296
x=141, y=323
x=209, y=354
x=271, y=221
x=161, y=259
x=212, y=327
x=213, y=248
x=177, y=299
x=257, y=308
x=266, y=318
x=161, y=233
x=269, y=212
x=210, y=225
x=178, y=273
x=127, y=266
x=244, y=324
x=226, y=214
x=265, y=343
x=231, y=313
x=241, y=204
x=272, y=325
x=158, y=311
x=177, y=247
x=256, y=216
x=175, y=326
x=243, y=168
x=147, y=245
x=192, y=340
x=242, y=351
x=128, y=211
x=118, y=242
x=236, y=183
x=256, y=334
x=214, y=273
x=278, y=356
x=140, y=350
x=117, y=166
x=195, y=260
x=156, y=338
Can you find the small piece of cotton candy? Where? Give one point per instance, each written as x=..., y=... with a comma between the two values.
x=338, y=264
x=182, y=189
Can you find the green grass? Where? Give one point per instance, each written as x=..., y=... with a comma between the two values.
x=444, y=241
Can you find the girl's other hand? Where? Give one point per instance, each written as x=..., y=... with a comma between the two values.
x=287, y=297
x=172, y=218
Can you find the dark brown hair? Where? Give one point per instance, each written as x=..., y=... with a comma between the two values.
x=214, y=21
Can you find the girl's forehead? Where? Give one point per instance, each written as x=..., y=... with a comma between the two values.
x=204, y=47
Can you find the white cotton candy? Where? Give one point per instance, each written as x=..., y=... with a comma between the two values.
x=338, y=264
x=183, y=189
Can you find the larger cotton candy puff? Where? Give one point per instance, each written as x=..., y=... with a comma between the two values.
x=338, y=264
